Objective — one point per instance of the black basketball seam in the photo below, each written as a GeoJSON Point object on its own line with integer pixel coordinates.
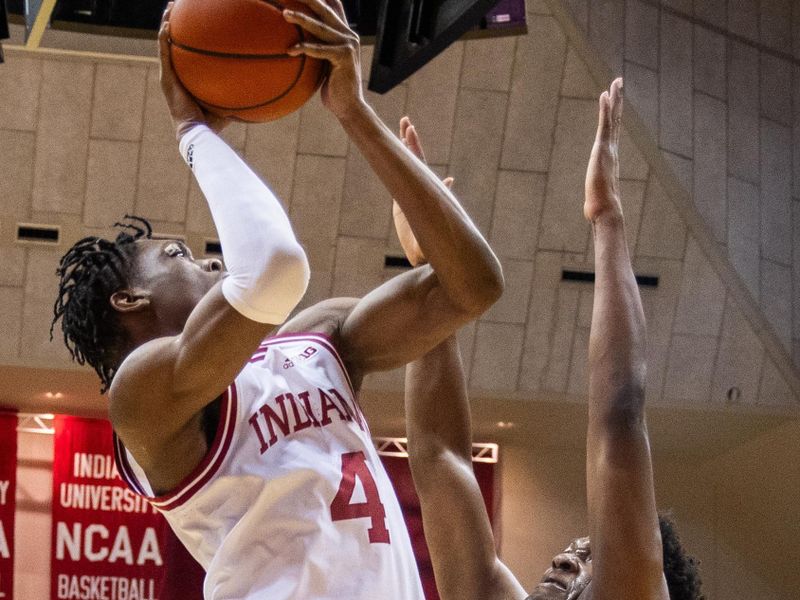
{"type": "Point", "coordinates": [218, 54]}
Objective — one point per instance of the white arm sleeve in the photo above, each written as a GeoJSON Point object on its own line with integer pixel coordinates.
{"type": "Point", "coordinates": [267, 268]}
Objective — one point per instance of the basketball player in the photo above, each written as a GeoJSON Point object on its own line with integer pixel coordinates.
{"type": "Point", "coordinates": [254, 447]}
{"type": "Point", "coordinates": [624, 558]}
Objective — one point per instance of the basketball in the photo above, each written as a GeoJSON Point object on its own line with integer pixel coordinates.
{"type": "Point", "coordinates": [231, 56]}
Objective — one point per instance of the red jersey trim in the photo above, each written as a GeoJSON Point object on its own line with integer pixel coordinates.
{"type": "Point", "coordinates": [201, 474]}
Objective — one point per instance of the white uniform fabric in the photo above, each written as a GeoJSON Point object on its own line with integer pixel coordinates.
{"type": "Point", "coordinates": [281, 507]}
{"type": "Point", "coordinates": [267, 268]}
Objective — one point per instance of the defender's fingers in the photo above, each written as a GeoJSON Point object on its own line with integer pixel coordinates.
{"type": "Point", "coordinates": [331, 53]}
{"type": "Point", "coordinates": [616, 102]}
{"type": "Point", "coordinates": [318, 29]}
{"type": "Point", "coordinates": [603, 118]}
{"type": "Point", "coordinates": [405, 123]}
{"type": "Point", "coordinates": [338, 8]}
{"type": "Point", "coordinates": [326, 14]}
{"type": "Point", "coordinates": [412, 140]}
{"type": "Point", "coordinates": [448, 182]}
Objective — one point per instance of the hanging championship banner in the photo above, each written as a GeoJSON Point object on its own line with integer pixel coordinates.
{"type": "Point", "coordinates": [8, 485]}
{"type": "Point", "coordinates": [107, 542]}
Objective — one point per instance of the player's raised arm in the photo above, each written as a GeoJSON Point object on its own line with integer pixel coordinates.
{"type": "Point", "coordinates": [419, 309]}
{"type": "Point", "coordinates": [185, 361]}
{"type": "Point", "coordinates": [625, 541]}
{"type": "Point", "coordinates": [457, 527]}
{"type": "Point", "coordinates": [439, 430]}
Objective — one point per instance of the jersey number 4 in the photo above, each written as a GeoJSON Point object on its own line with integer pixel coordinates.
{"type": "Point", "coordinates": [354, 464]}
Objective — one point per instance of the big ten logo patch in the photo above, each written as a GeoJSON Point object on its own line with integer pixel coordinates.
{"type": "Point", "coordinates": [304, 355]}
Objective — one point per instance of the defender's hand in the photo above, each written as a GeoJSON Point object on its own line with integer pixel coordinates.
{"type": "Point", "coordinates": [183, 108]}
{"type": "Point", "coordinates": [602, 189]}
{"type": "Point", "coordinates": [414, 254]}
{"type": "Point", "coordinates": [339, 45]}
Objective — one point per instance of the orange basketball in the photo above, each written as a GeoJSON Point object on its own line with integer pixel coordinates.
{"type": "Point", "coordinates": [231, 56]}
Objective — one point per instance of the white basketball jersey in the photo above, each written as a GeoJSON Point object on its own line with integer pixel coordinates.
{"type": "Point", "coordinates": [291, 500]}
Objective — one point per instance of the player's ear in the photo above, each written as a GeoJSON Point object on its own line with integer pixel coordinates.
{"type": "Point", "coordinates": [130, 300]}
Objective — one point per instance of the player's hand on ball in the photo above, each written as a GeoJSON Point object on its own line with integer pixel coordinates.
{"type": "Point", "coordinates": [336, 43]}
{"type": "Point", "coordinates": [414, 254]}
{"type": "Point", "coordinates": [183, 109]}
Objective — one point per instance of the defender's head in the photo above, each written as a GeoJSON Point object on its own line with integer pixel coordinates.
{"type": "Point", "coordinates": [115, 295]}
{"type": "Point", "coordinates": [571, 572]}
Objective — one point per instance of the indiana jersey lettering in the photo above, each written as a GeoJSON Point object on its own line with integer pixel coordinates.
{"type": "Point", "coordinates": [291, 501]}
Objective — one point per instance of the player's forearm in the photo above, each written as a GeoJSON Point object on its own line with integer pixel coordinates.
{"type": "Point", "coordinates": [268, 269]}
{"type": "Point", "coordinates": [466, 267]}
{"type": "Point", "coordinates": [437, 407]}
{"type": "Point", "coordinates": [617, 342]}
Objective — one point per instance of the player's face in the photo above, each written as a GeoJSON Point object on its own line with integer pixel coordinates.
{"type": "Point", "coordinates": [174, 279]}
{"type": "Point", "coordinates": [570, 574]}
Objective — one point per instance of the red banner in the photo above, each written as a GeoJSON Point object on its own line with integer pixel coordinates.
{"type": "Point", "coordinates": [107, 542]}
{"type": "Point", "coordinates": [8, 488]}
{"type": "Point", "coordinates": [400, 473]}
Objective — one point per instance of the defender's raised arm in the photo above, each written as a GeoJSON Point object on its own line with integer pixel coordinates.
{"type": "Point", "coordinates": [625, 540]}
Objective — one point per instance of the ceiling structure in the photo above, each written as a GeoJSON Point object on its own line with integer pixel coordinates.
{"type": "Point", "coordinates": [512, 119]}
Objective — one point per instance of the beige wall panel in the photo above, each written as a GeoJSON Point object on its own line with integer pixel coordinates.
{"type": "Point", "coordinates": [487, 64]}
{"type": "Point", "coordinates": [163, 183]}
{"type": "Point", "coordinates": [689, 368]}
{"type": "Point", "coordinates": [271, 151]}
{"type": "Point", "coordinates": [557, 370]}
{"type": "Point", "coordinates": [776, 299]}
{"type": "Point", "coordinates": [10, 322]}
{"type": "Point", "coordinates": [659, 309]}
{"type": "Point", "coordinates": [497, 351]}
{"type": "Point", "coordinates": [738, 361]}
{"type": "Point", "coordinates": [320, 133]}
{"type": "Point", "coordinates": [563, 226]}
{"type": "Point", "coordinates": [710, 163]}
{"type": "Point", "coordinates": [475, 154]}
{"type": "Point", "coordinates": [517, 210]}
{"type": "Point", "coordinates": [744, 232]}
{"type": "Point", "coordinates": [776, 212]}
{"type": "Point", "coordinates": [533, 101]}
{"type": "Point", "coordinates": [662, 233]}
{"type": "Point", "coordinates": [62, 139]}
{"type": "Point", "coordinates": [17, 163]}
{"type": "Point", "coordinates": [512, 307]}
{"type": "Point", "coordinates": [710, 61]}
{"type": "Point", "coordinates": [118, 106]}
{"type": "Point", "coordinates": [702, 296]}
{"type": "Point", "coordinates": [776, 89]}
{"type": "Point", "coordinates": [744, 105]}
{"type": "Point", "coordinates": [675, 85]}
{"type": "Point", "coordinates": [641, 91]}
{"type": "Point", "coordinates": [110, 182]}
{"type": "Point", "coordinates": [743, 18]}
{"type": "Point", "coordinates": [20, 80]}
{"type": "Point", "coordinates": [641, 28]}
{"type": "Point", "coordinates": [359, 266]}
{"type": "Point", "coordinates": [541, 315]}
{"type": "Point", "coordinates": [607, 31]}
{"type": "Point", "coordinates": [432, 95]}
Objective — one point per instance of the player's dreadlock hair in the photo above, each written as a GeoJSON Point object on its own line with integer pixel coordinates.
{"type": "Point", "coordinates": [680, 569]}
{"type": "Point", "coordinates": [89, 273]}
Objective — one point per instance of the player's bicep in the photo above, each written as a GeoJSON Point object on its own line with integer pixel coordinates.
{"type": "Point", "coordinates": [399, 321]}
